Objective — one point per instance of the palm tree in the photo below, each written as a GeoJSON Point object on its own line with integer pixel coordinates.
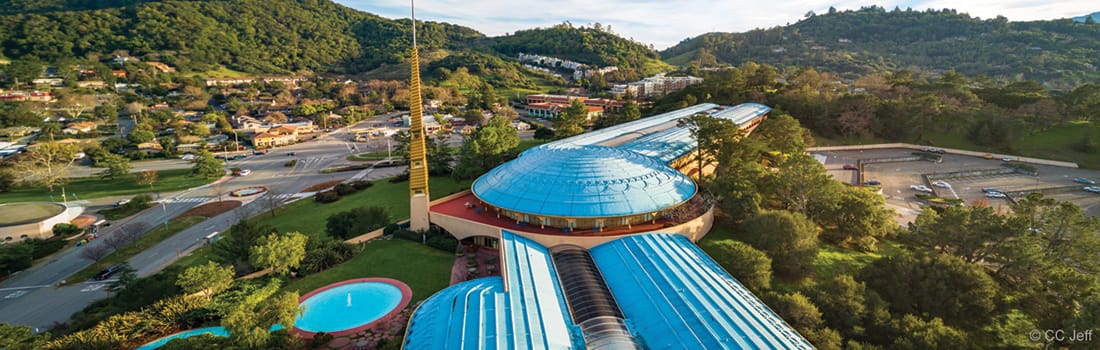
{"type": "Point", "coordinates": [51, 129]}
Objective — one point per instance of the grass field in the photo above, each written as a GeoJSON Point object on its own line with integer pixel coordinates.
{"type": "Point", "coordinates": [309, 217]}
{"type": "Point", "coordinates": [28, 212]}
{"type": "Point", "coordinates": [126, 252]}
{"type": "Point", "coordinates": [527, 144]}
{"type": "Point", "coordinates": [223, 72]}
{"type": "Point", "coordinates": [96, 187]}
{"type": "Point", "coordinates": [426, 270]}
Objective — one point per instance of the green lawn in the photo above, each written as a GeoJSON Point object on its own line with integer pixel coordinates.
{"type": "Point", "coordinates": [426, 270]}
{"type": "Point", "coordinates": [368, 156]}
{"type": "Point", "coordinates": [527, 144]}
{"type": "Point", "coordinates": [309, 217]}
{"type": "Point", "coordinates": [96, 187]}
{"type": "Point", "coordinates": [126, 252]}
{"type": "Point", "coordinates": [123, 211]}
{"type": "Point", "coordinates": [223, 72]}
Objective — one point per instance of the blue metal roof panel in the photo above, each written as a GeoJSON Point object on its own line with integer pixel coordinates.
{"type": "Point", "coordinates": [601, 135]}
{"type": "Point", "coordinates": [673, 143]}
{"type": "Point", "coordinates": [482, 314]}
{"type": "Point", "coordinates": [677, 297]}
{"type": "Point", "coordinates": [584, 181]}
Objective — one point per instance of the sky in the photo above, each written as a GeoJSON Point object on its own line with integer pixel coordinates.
{"type": "Point", "coordinates": [664, 23]}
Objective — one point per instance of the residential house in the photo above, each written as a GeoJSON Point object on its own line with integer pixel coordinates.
{"type": "Point", "coordinates": [228, 81]}
{"type": "Point", "coordinates": [49, 81]}
{"type": "Point", "coordinates": [151, 146]}
{"type": "Point", "coordinates": [279, 136]}
{"type": "Point", "coordinates": [79, 128]}
{"type": "Point", "coordinates": [92, 84]}
{"type": "Point", "coordinates": [163, 68]}
{"type": "Point", "coordinates": [520, 125]}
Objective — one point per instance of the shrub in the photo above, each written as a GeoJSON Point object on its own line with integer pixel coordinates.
{"type": "Point", "coordinates": [344, 189]}
{"type": "Point", "coordinates": [44, 247]}
{"type": "Point", "coordinates": [291, 163]}
{"type": "Point", "coordinates": [326, 196]}
{"type": "Point", "coordinates": [357, 221]}
{"type": "Point", "coordinates": [139, 155]}
{"type": "Point", "coordinates": [400, 178]}
{"type": "Point", "coordinates": [65, 229]}
{"type": "Point", "coordinates": [433, 238]}
{"type": "Point", "coordinates": [328, 254]}
{"type": "Point", "coordinates": [361, 184]}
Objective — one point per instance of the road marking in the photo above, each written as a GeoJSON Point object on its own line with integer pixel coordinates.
{"type": "Point", "coordinates": [15, 294]}
{"type": "Point", "coordinates": [27, 287]}
{"type": "Point", "coordinates": [93, 287]}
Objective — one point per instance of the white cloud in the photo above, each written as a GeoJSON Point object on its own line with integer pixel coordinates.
{"type": "Point", "coordinates": [663, 23]}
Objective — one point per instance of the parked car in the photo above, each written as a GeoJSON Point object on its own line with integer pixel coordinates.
{"type": "Point", "coordinates": [850, 167]}
{"type": "Point", "coordinates": [1082, 180]}
{"type": "Point", "coordinates": [245, 172]}
{"type": "Point", "coordinates": [990, 190]}
{"type": "Point", "coordinates": [921, 188]}
{"type": "Point", "coordinates": [988, 156]}
{"type": "Point", "coordinates": [290, 153]}
{"type": "Point", "coordinates": [107, 272]}
{"type": "Point", "coordinates": [995, 195]}
{"type": "Point", "coordinates": [239, 156]}
{"type": "Point", "coordinates": [122, 202]}
{"type": "Point", "coordinates": [188, 156]}
{"type": "Point", "coordinates": [259, 152]}
{"type": "Point", "coordinates": [219, 156]}
{"type": "Point", "coordinates": [1006, 159]}
{"type": "Point", "coordinates": [872, 182]}
{"type": "Point", "coordinates": [941, 184]}
{"type": "Point", "coordinates": [1093, 189]}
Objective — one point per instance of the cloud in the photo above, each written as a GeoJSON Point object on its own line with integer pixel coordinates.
{"type": "Point", "coordinates": [664, 23]}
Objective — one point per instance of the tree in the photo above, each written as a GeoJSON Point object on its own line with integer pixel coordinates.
{"type": "Point", "coordinates": [355, 222]}
{"type": "Point", "coordinates": [141, 134]}
{"type": "Point", "coordinates": [117, 165]}
{"type": "Point", "coordinates": [107, 113]}
{"type": "Point", "coordinates": [94, 252]}
{"type": "Point", "coordinates": [858, 218]}
{"type": "Point", "coordinates": [207, 166]}
{"type": "Point", "coordinates": [846, 305]}
{"type": "Point", "coordinates": [208, 279]}
{"type": "Point", "coordinates": [710, 133]}
{"type": "Point", "coordinates": [235, 244]}
{"type": "Point", "coordinates": [249, 313]}
{"type": "Point", "coordinates": [486, 148]}
{"type": "Point", "coordinates": [801, 185]}
{"type": "Point", "coordinates": [48, 164]}
{"type": "Point", "coordinates": [148, 177]}
{"type": "Point", "coordinates": [279, 252]}
{"type": "Point", "coordinates": [51, 129]}
{"type": "Point", "coordinates": [783, 133]}
{"type": "Point", "coordinates": [629, 112]}
{"type": "Point", "coordinates": [571, 120]}
{"type": "Point", "coordinates": [941, 286]}
{"type": "Point", "coordinates": [74, 105]}
{"type": "Point", "coordinates": [915, 333]}
{"type": "Point", "coordinates": [7, 181]}
{"type": "Point", "coordinates": [789, 238]}
{"type": "Point", "coordinates": [751, 267]}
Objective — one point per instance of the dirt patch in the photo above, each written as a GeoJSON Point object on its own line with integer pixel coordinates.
{"type": "Point", "coordinates": [83, 221]}
{"type": "Point", "coordinates": [210, 210]}
{"type": "Point", "coordinates": [322, 186]}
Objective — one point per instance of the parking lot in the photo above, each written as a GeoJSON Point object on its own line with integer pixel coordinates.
{"type": "Point", "coordinates": [897, 177]}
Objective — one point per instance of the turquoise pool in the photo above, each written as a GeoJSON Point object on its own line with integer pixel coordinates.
{"type": "Point", "coordinates": [217, 331]}
{"type": "Point", "coordinates": [348, 306]}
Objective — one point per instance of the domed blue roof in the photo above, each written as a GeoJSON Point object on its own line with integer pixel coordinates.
{"type": "Point", "coordinates": [584, 181]}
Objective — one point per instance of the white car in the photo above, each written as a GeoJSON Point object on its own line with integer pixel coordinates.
{"type": "Point", "coordinates": [1093, 189]}
{"type": "Point", "coordinates": [245, 172]}
{"type": "Point", "coordinates": [995, 195]}
{"type": "Point", "coordinates": [188, 157]}
{"type": "Point", "coordinates": [921, 188]}
{"type": "Point", "coordinates": [941, 184]}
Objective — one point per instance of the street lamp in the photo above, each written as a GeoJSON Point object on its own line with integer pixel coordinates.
{"type": "Point", "coordinates": [164, 209]}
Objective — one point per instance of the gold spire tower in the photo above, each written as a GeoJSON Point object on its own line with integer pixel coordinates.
{"type": "Point", "coordinates": [418, 162]}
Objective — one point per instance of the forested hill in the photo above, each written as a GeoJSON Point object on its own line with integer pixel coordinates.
{"type": "Point", "coordinates": [1058, 52]}
{"type": "Point", "coordinates": [257, 36]}
{"type": "Point", "coordinates": [595, 45]}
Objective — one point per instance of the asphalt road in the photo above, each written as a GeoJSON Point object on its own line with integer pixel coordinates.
{"type": "Point", "coordinates": [31, 297]}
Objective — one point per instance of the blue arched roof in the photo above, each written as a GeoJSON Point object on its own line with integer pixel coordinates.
{"type": "Point", "coordinates": [524, 309]}
{"type": "Point", "coordinates": [584, 181]}
{"type": "Point", "coordinates": [677, 297]}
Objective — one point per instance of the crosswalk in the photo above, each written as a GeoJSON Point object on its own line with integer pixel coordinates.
{"type": "Point", "coordinates": [313, 162]}
{"type": "Point", "coordinates": [190, 200]}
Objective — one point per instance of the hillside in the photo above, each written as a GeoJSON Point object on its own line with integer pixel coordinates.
{"type": "Point", "coordinates": [1095, 17]}
{"type": "Point", "coordinates": [255, 36]}
{"type": "Point", "coordinates": [589, 45]}
{"type": "Point", "coordinates": [1060, 52]}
